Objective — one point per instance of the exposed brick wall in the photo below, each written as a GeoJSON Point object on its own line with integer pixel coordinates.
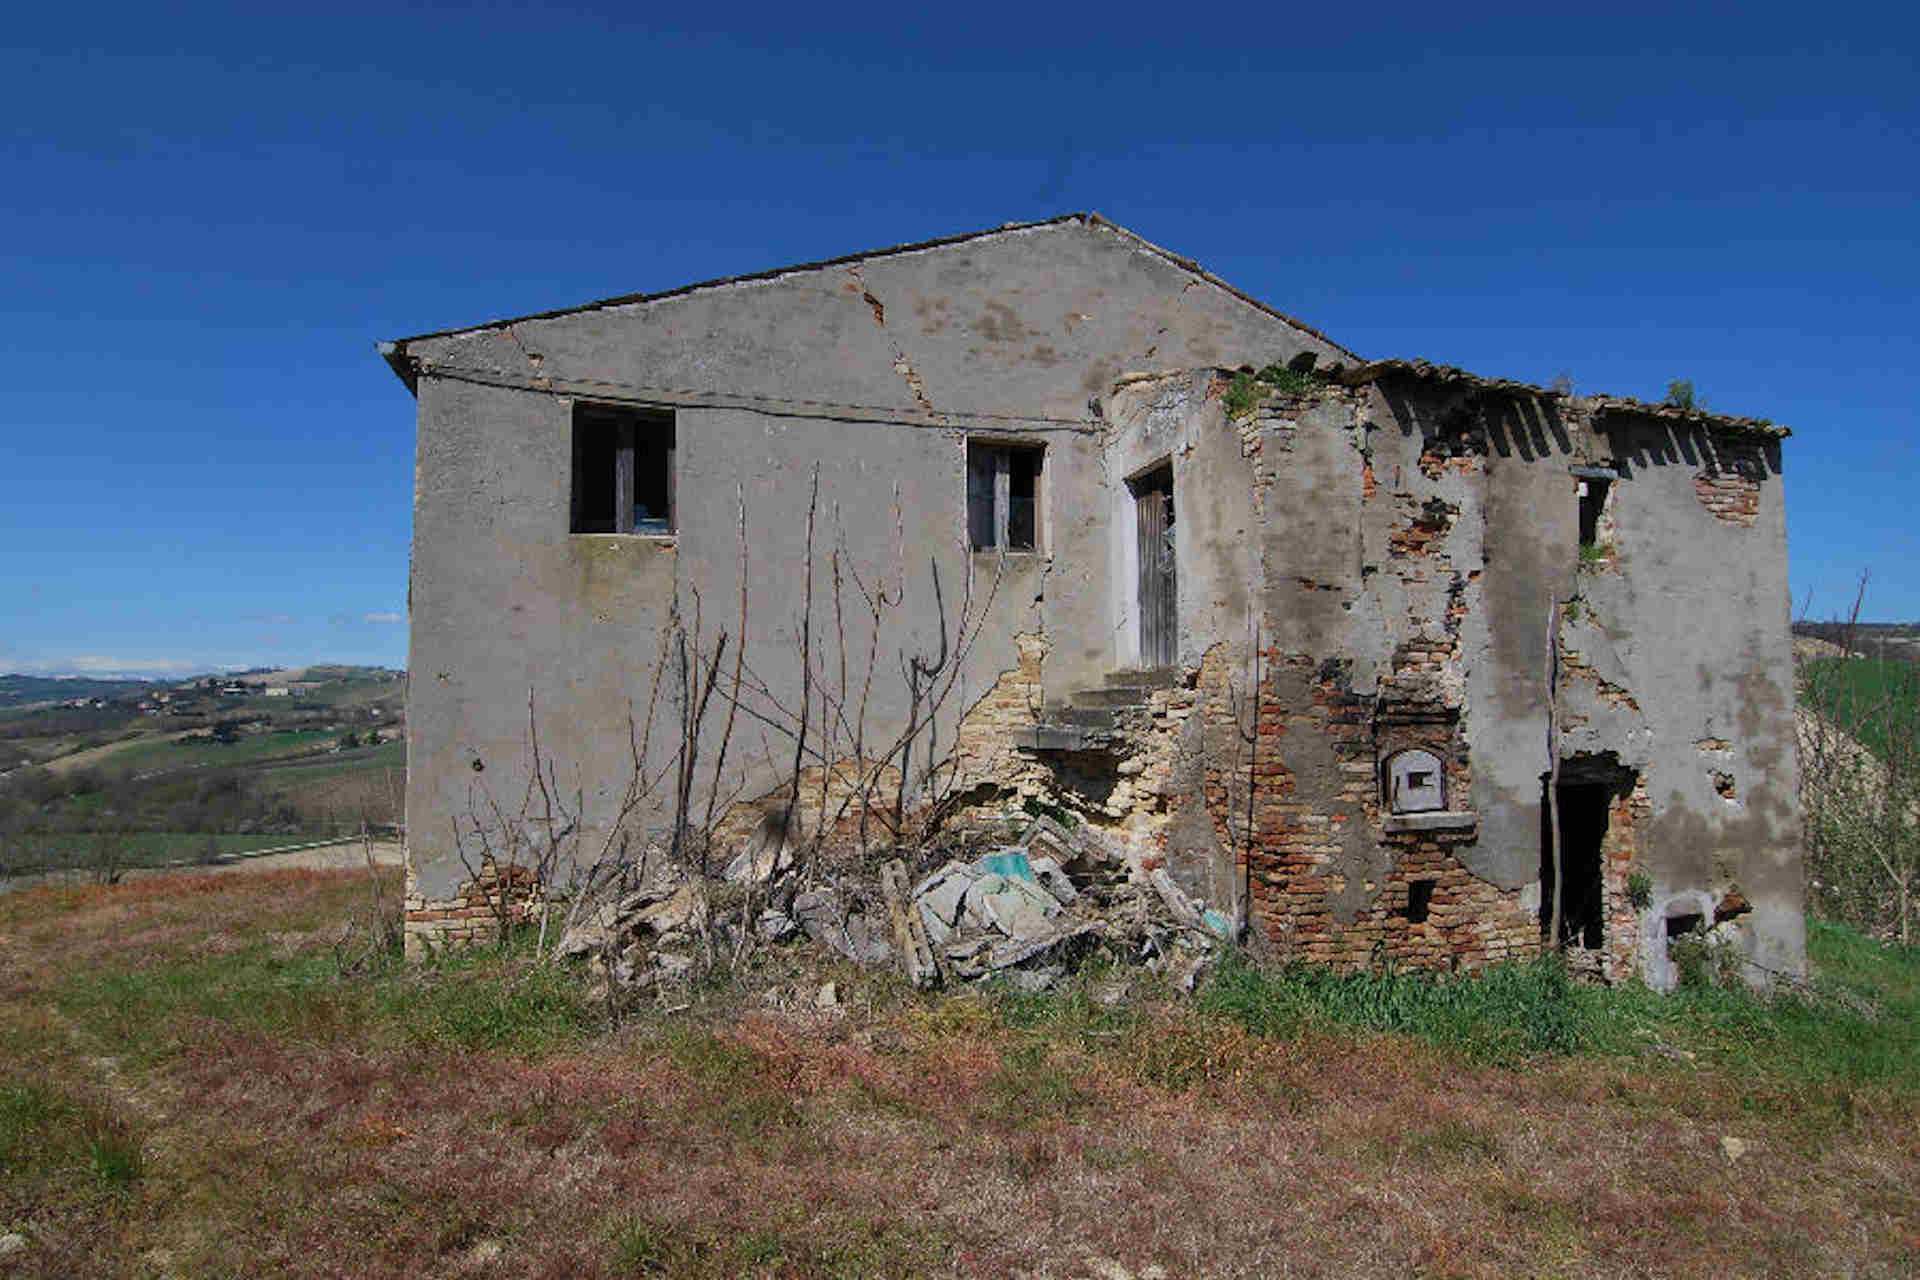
{"type": "Point", "coordinates": [1470, 924]}
{"type": "Point", "coordinates": [472, 914]}
{"type": "Point", "coordinates": [1619, 854]}
{"type": "Point", "coordinates": [1577, 668]}
{"type": "Point", "coordinates": [1731, 497]}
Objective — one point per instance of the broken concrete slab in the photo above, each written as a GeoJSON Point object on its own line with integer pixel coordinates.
{"type": "Point", "coordinates": [774, 926]}
{"type": "Point", "coordinates": [1018, 908]}
{"type": "Point", "coordinates": [1175, 899]}
{"type": "Point", "coordinates": [818, 911]}
{"type": "Point", "coordinates": [664, 913]}
{"type": "Point", "coordinates": [1053, 878]}
{"type": "Point", "coordinates": [1008, 953]}
{"type": "Point", "coordinates": [940, 899]}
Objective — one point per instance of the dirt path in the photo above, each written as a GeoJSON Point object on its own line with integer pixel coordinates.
{"type": "Point", "coordinates": [94, 755]}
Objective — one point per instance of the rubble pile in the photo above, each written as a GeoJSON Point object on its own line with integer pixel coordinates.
{"type": "Point", "coordinates": [1028, 912]}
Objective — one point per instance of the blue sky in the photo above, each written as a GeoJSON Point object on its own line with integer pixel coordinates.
{"type": "Point", "coordinates": [213, 214]}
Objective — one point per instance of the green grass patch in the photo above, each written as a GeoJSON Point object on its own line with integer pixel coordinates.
{"type": "Point", "coordinates": [470, 1000]}
{"type": "Point", "coordinates": [1504, 1014]}
{"type": "Point", "coordinates": [1857, 1025]}
{"type": "Point", "coordinates": [150, 757]}
{"type": "Point", "coordinates": [1032, 1089]}
{"type": "Point", "coordinates": [388, 755]}
{"type": "Point", "coordinates": [55, 1144]}
{"type": "Point", "coordinates": [1876, 700]}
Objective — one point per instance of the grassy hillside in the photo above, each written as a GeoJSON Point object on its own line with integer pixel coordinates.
{"type": "Point", "coordinates": [1876, 701]}
{"type": "Point", "coordinates": [198, 1076]}
{"type": "Point", "coordinates": [244, 767]}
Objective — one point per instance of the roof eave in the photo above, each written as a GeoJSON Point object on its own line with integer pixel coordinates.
{"type": "Point", "coordinates": [1448, 375]}
{"type": "Point", "coordinates": [402, 364]}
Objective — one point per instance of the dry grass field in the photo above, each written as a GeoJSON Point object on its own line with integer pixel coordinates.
{"type": "Point", "coordinates": [215, 1076]}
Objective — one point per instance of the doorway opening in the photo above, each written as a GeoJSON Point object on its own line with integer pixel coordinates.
{"type": "Point", "coordinates": [1159, 595]}
{"type": "Point", "coordinates": [1583, 834]}
{"type": "Point", "coordinates": [1589, 787]}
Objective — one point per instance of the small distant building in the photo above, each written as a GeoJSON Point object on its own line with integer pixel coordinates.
{"type": "Point", "coordinates": [275, 691]}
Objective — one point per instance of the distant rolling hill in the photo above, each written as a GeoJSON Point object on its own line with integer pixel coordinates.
{"type": "Point", "coordinates": [20, 691]}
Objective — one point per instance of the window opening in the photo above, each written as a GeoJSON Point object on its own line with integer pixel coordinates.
{"type": "Point", "coordinates": [1003, 496]}
{"type": "Point", "coordinates": [1583, 831]}
{"type": "Point", "coordinates": [1592, 485]}
{"type": "Point", "coordinates": [1419, 901]}
{"type": "Point", "coordinates": [623, 470]}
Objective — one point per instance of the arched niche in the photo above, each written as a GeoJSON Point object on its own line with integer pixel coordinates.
{"type": "Point", "coordinates": [1415, 781]}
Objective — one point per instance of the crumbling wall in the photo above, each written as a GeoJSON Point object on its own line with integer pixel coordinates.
{"type": "Point", "coordinates": [1417, 548]}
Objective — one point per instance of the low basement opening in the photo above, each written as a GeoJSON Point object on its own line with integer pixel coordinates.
{"type": "Point", "coordinates": [1419, 901]}
{"type": "Point", "coordinates": [1681, 926]}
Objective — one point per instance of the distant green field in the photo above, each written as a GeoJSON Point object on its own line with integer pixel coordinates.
{"type": "Point", "coordinates": [388, 755]}
{"type": "Point", "coordinates": [1869, 697]}
{"type": "Point", "coordinates": [150, 757]}
{"type": "Point", "coordinates": [135, 849]}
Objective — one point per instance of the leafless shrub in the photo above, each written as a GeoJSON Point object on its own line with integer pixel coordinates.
{"type": "Point", "coordinates": [1860, 785]}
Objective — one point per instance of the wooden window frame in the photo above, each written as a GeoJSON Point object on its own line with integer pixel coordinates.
{"type": "Point", "coordinates": [616, 438]}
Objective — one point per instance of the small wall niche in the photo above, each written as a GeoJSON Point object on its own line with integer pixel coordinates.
{"type": "Point", "coordinates": [1415, 781]}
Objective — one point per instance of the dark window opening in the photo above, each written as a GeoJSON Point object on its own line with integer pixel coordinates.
{"type": "Point", "coordinates": [1003, 496]}
{"type": "Point", "coordinates": [1419, 901]}
{"type": "Point", "coordinates": [1583, 832]}
{"type": "Point", "coordinates": [1593, 501]}
{"type": "Point", "coordinates": [1681, 926]}
{"type": "Point", "coordinates": [623, 470]}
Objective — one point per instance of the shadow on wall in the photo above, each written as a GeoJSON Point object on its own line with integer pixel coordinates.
{"type": "Point", "coordinates": [1485, 421]}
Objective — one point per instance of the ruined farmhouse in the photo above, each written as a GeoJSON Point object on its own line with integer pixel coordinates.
{"type": "Point", "coordinates": [1348, 647]}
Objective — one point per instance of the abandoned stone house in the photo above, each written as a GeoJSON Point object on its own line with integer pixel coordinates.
{"type": "Point", "coordinates": [1325, 645]}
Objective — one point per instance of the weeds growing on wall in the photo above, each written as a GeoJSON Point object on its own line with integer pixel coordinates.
{"type": "Point", "coordinates": [1247, 390]}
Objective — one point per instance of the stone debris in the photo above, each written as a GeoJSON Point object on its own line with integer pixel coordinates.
{"type": "Point", "coordinates": [1027, 912]}
{"type": "Point", "coordinates": [767, 855]}
{"type": "Point", "coordinates": [646, 938]}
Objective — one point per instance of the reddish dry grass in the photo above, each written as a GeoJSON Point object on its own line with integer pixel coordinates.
{"type": "Point", "coordinates": [920, 1141]}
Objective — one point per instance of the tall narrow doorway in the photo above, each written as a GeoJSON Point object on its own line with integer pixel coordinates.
{"type": "Point", "coordinates": [1159, 610]}
{"type": "Point", "coordinates": [1583, 834]}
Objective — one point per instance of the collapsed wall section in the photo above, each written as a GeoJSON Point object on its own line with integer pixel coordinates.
{"type": "Point", "coordinates": [1454, 573]}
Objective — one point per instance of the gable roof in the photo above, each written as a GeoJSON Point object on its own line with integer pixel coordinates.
{"type": "Point", "coordinates": [396, 354]}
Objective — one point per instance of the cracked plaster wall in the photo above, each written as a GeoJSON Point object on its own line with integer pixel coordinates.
{"type": "Point", "coordinates": [878, 371]}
